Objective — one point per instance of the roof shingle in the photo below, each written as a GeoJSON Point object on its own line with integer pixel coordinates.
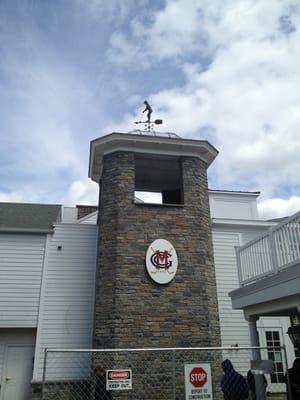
{"type": "Point", "coordinates": [25, 216]}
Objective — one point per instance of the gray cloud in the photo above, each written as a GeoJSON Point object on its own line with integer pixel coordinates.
{"type": "Point", "coordinates": [237, 74]}
{"type": "Point", "coordinates": [248, 95]}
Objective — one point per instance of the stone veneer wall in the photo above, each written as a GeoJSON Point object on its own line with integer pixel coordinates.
{"type": "Point", "coordinates": [131, 310]}
{"type": "Point", "coordinates": [83, 210]}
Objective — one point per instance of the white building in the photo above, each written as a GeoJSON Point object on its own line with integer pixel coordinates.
{"type": "Point", "coordinates": [235, 223]}
{"type": "Point", "coordinates": [47, 269]}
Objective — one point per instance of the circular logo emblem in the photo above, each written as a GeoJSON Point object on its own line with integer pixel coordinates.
{"type": "Point", "coordinates": [161, 261]}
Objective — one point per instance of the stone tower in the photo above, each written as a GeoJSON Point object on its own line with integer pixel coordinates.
{"type": "Point", "coordinates": [131, 308]}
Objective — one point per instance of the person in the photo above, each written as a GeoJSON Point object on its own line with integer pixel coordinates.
{"type": "Point", "coordinates": [294, 376]}
{"type": "Point", "coordinates": [100, 385]}
{"type": "Point", "coordinates": [233, 384]}
{"type": "Point", "coordinates": [251, 384]}
{"type": "Point", "coordinates": [148, 109]}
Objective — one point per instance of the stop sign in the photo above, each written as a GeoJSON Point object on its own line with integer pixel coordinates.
{"type": "Point", "coordinates": [198, 377]}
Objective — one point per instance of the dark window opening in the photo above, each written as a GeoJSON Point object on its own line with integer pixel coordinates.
{"type": "Point", "coordinates": [158, 180]}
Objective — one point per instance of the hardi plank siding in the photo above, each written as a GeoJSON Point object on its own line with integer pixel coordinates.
{"type": "Point", "coordinates": [21, 264]}
{"type": "Point", "coordinates": [248, 236]}
{"type": "Point", "coordinates": [234, 328]}
{"type": "Point", "coordinates": [67, 299]}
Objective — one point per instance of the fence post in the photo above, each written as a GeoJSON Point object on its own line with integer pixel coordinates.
{"type": "Point", "coordinates": [174, 383]}
{"type": "Point", "coordinates": [44, 372]}
{"type": "Point", "coordinates": [288, 383]}
{"type": "Point", "coordinates": [273, 253]}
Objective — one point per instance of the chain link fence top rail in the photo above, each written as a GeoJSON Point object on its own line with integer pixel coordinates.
{"type": "Point", "coordinates": [156, 374]}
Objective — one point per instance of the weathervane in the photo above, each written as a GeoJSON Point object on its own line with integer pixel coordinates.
{"type": "Point", "coordinates": [149, 124]}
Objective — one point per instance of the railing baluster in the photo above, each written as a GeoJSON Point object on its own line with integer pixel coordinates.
{"type": "Point", "coordinates": [267, 254]}
{"type": "Point", "coordinates": [290, 242]}
{"type": "Point", "coordinates": [246, 270]}
{"type": "Point", "coordinates": [261, 255]}
{"type": "Point", "coordinates": [238, 260]}
{"type": "Point", "coordinates": [283, 249]}
{"type": "Point", "coordinates": [251, 251]}
{"type": "Point", "coordinates": [285, 246]}
{"type": "Point", "coordinates": [297, 236]}
{"type": "Point", "coordinates": [274, 250]}
{"type": "Point", "coordinates": [256, 258]}
{"type": "Point", "coordinates": [294, 239]}
{"type": "Point", "coordinates": [286, 243]}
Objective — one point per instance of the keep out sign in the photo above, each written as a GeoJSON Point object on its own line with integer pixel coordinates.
{"type": "Point", "coordinates": [118, 379]}
{"type": "Point", "coordinates": [198, 382]}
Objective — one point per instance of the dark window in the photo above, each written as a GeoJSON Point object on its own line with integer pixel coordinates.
{"type": "Point", "coordinates": [158, 179]}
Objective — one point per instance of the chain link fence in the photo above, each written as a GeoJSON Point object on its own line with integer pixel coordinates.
{"type": "Point", "coordinates": [162, 374]}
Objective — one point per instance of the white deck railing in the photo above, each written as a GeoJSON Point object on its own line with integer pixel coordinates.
{"type": "Point", "coordinates": [277, 249]}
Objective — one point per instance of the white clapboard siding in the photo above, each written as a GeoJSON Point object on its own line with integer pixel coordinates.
{"type": "Point", "coordinates": [67, 301]}
{"type": "Point", "coordinates": [247, 236]}
{"type": "Point", "coordinates": [234, 328]}
{"type": "Point", "coordinates": [21, 264]}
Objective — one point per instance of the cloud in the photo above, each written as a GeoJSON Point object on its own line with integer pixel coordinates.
{"type": "Point", "coordinates": [82, 191]}
{"type": "Point", "coordinates": [149, 197]}
{"type": "Point", "coordinates": [223, 71]}
{"type": "Point", "coordinates": [242, 95]}
{"type": "Point", "coordinates": [276, 207]}
{"type": "Point", "coordinates": [45, 104]}
{"type": "Point", "coordinates": [182, 28]}
{"type": "Point", "coordinates": [41, 97]}
{"type": "Point", "coordinates": [99, 10]}
{"type": "Point", "coordinates": [14, 197]}
{"type": "Point", "coordinates": [160, 34]}
{"type": "Point", "coordinates": [121, 50]}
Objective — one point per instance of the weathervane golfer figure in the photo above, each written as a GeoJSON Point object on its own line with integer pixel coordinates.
{"type": "Point", "coordinates": [148, 109]}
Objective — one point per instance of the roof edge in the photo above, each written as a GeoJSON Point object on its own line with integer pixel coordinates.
{"type": "Point", "coordinates": [25, 230]}
{"type": "Point", "coordinates": [242, 222]}
{"type": "Point", "coordinates": [117, 141]}
{"type": "Point", "coordinates": [240, 192]}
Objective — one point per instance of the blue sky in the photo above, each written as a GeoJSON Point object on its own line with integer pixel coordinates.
{"type": "Point", "coordinates": [226, 71]}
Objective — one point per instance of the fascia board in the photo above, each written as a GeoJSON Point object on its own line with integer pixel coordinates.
{"type": "Point", "coordinates": [234, 193]}
{"type": "Point", "coordinates": [242, 222]}
{"type": "Point", "coordinates": [74, 225]}
{"type": "Point", "coordinates": [280, 285]}
{"type": "Point", "coordinates": [25, 230]}
{"type": "Point", "coordinates": [149, 145]}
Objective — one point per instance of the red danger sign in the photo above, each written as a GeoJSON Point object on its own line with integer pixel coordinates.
{"type": "Point", "coordinates": [119, 375]}
{"type": "Point", "coordinates": [198, 377]}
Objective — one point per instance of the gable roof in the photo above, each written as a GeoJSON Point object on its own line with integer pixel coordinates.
{"type": "Point", "coordinates": [39, 218]}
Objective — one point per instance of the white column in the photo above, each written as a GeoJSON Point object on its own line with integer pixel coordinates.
{"type": "Point", "coordinates": [254, 340]}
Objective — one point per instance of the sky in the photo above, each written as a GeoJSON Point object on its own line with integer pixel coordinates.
{"type": "Point", "coordinates": [226, 71]}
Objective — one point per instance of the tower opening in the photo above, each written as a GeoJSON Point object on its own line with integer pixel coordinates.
{"type": "Point", "coordinates": [158, 179]}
